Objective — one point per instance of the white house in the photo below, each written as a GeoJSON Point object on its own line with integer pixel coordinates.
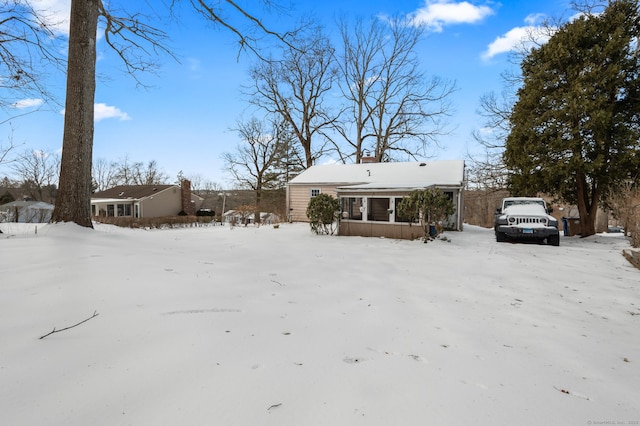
{"type": "Point", "coordinates": [369, 192]}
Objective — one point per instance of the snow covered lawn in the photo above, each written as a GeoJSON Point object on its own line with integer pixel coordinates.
{"type": "Point", "coordinates": [264, 326]}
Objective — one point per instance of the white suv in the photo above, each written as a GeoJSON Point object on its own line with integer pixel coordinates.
{"type": "Point", "coordinates": [526, 218]}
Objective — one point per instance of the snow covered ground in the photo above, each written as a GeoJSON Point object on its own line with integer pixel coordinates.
{"type": "Point", "coordinates": [264, 326]}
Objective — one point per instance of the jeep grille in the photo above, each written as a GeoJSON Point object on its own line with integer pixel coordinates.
{"type": "Point", "coordinates": [516, 220]}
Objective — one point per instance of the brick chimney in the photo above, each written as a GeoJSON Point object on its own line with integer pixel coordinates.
{"type": "Point", "coordinates": [187, 206]}
{"type": "Point", "coordinates": [367, 159]}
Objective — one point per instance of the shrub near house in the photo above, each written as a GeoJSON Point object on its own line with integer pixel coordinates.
{"type": "Point", "coordinates": [323, 213]}
{"type": "Point", "coordinates": [428, 206]}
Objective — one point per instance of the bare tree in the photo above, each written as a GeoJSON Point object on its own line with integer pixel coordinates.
{"type": "Point", "coordinates": [486, 170]}
{"type": "Point", "coordinates": [127, 172]}
{"type": "Point", "coordinates": [254, 163]}
{"type": "Point", "coordinates": [134, 41]}
{"type": "Point", "coordinates": [395, 110]}
{"type": "Point", "coordinates": [4, 152]}
{"type": "Point", "coordinates": [205, 188]}
{"type": "Point", "coordinates": [624, 202]}
{"type": "Point", "coordinates": [150, 174]}
{"type": "Point", "coordinates": [6, 149]}
{"type": "Point", "coordinates": [104, 174]}
{"type": "Point", "coordinates": [294, 86]}
{"type": "Point", "coordinates": [38, 171]}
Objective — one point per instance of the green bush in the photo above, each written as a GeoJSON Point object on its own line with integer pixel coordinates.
{"type": "Point", "coordinates": [323, 212]}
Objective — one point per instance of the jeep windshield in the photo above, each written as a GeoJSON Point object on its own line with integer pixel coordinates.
{"type": "Point", "coordinates": [509, 203]}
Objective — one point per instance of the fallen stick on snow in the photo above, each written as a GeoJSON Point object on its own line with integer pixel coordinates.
{"type": "Point", "coordinates": [95, 314]}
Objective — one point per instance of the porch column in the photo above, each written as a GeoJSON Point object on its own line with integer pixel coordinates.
{"type": "Point", "coordinates": [364, 209]}
{"type": "Point", "coordinates": [392, 209]}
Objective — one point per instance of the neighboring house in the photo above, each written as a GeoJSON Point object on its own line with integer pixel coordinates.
{"type": "Point", "coordinates": [369, 193]}
{"type": "Point", "coordinates": [139, 201]}
{"type": "Point", "coordinates": [26, 212]}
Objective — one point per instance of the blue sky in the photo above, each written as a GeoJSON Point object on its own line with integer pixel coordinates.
{"type": "Point", "coordinates": [183, 119]}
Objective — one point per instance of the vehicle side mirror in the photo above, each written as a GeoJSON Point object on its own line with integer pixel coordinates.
{"type": "Point", "coordinates": [498, 210]}
{"type": "Point", "coordinates": [550, 210]}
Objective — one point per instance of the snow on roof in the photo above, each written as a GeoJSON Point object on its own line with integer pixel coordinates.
{"type": "Point", "coordinates": [128, 192]}
{"type": "Point", "coordinates": [385, 175]}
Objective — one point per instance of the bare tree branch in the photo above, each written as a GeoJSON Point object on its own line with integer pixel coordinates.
{"type": "Point", "coordinates": [95, 314]}
{"type": "Point", "coordinates": [246, 35]}
{"type": "Point", "coordinates": [29, 50]}
{"type": "Point", "coordinates": [134, 41]}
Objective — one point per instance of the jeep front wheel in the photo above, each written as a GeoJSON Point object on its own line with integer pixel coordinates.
{"type": "Point", "coordinates": [554, 240]}
{"type": "Point", "coordinates": [501, 237]}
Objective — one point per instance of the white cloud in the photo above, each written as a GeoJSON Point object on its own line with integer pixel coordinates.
{"type": "Point", "coordinates": [437, 13]}
{"type": "Point", "coordinates": [27, 103]}
{"type": "Point", "coordinates": [507, 42]}
{"type": "Point", "coordinates": [534, 18]}
{"type": "Point", "coordinates": [103, 111]}
{"type": "Point", "coordinates": [55, 13]}
{"type": "Point", "coordinates": [520, 37]}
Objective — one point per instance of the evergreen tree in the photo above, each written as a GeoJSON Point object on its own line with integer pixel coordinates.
{"type": "Point", "coordinates": [575, 126]}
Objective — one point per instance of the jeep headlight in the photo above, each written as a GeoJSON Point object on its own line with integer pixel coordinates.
{"type": "Point", "coordinates": [511, 219]}
{"type": "Point", "coordinates": [543, 220]}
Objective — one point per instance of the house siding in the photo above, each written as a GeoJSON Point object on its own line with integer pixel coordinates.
{"type": "Point", "coordinates": [165, 203]}
{"type": "Point", "coordinates": [298, 197]}
{"type": "Point", "coordinates": [402, 231]}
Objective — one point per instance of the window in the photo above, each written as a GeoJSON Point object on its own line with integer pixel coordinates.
{"type": "Point", "coordinates": [110, 210]}
{"type": "Point", "coordinates": [124, 209]}
{"type": "Point", "coordinates": [351, 208]}
{"type": "Point", "coordinates": [315, 192]}
{"type": "Point", "coordinates": [398, 216]}
{"type": "Point", "coordinates": [378, 209]}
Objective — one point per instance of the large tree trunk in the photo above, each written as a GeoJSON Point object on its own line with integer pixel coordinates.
{"type": "Point", "coordinates": [587, 206]}
{"type": "Point", "coordinates": [73, 203]}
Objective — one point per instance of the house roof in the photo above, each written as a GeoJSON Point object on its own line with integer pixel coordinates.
{"type": "Point", "coordinates": [126, 192]}
{"type": "Point", "coordinates": [385, 175]}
